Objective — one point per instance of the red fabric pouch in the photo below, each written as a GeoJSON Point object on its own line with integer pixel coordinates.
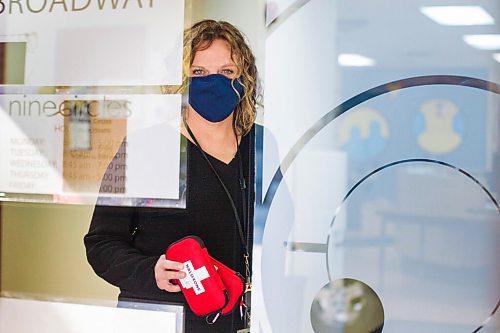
{"type": "Point", "coordinates": [234, 283]}
{"type": "Point", "coordinates": [202, 286]}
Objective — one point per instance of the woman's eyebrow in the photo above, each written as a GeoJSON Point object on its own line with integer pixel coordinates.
{"type": "Point", "coordinates": [231, 64]}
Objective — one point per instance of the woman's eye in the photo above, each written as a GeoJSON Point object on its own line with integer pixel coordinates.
{"type": "Point", "coordinates": [227, 72]}
{"type": "Point", "coordinates": [198, 72]}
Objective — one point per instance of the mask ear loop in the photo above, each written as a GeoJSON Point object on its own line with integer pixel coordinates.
{"type": "Point", "coordinates": [240, 98]}
{"type": "Point", "coordinates": [238, 79]}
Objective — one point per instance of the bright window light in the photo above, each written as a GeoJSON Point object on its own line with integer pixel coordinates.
{"type": "Point", "coordinates": [356, 60]}
{"type": "Point", "coordinates": [458, 15]}
{"type": "Point", "coordinates": [483, 42]}
{"type": "Point", "coordinates": [496, 56]}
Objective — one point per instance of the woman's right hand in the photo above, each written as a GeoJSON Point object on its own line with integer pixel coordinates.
{"type": "Point", "coordinates": [166, 270]}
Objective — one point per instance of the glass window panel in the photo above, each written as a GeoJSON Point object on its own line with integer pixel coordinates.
{"type": "Point", "coordinates": [390, 116]}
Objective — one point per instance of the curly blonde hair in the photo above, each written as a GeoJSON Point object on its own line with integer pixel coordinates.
{"type": "Point", "coordinates": [199, 37]}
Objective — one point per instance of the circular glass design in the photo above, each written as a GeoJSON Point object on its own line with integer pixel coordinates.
{"type": "Point", "coordinates": [424, 250]}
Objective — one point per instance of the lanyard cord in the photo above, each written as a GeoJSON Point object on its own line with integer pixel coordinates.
{"type": "Point", "coordinates": [233, 205]}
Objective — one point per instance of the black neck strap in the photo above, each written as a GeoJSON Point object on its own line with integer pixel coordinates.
{"type": "Point", "coordinates": [243, 187]}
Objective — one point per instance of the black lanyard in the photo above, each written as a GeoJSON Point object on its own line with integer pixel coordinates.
{"type": "Point", "coordinates": [243, 187]}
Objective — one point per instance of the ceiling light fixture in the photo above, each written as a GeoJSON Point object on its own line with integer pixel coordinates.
{"type": "Point", "coordinates": [458, 15]}
{"type": "Point", "coordinates": [355, 60]}
{"type": "Point", "coordinates": [483, 42]}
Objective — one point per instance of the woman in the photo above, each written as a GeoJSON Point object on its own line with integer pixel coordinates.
{"type": "Point", "coordinates": [125, 245]}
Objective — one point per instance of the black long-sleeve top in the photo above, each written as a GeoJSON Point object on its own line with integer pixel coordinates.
{"type": "Point", "coordinates": [127, 261]}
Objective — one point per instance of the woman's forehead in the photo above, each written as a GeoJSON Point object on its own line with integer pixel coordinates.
{"type": "Point", "coordinates": [219, 52]}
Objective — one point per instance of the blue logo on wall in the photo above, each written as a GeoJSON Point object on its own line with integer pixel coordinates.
{"type": "Point", "coordinates": [364, 133]}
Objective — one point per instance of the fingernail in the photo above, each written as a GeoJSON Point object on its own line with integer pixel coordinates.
{"type": "Point", "coordinates": [180, 266]}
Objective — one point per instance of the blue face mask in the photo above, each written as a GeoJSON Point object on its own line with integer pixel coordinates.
{"type": "Point", "coordinates": [213, 96]}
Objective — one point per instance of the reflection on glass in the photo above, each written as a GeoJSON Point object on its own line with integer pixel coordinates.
{"type": "Point", "coordinates": [347, 306]}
